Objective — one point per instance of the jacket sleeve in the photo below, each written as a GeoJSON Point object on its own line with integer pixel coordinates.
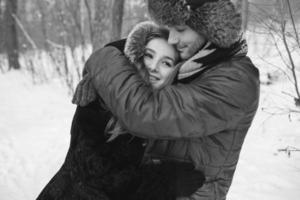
{"type": "Point", "coordinates": [203, 107]}
{"type": "Point", "coordinates": [212, 191]}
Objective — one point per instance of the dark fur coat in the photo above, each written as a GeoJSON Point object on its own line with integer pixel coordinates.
{"type": "Point", "coordinates": [93, 168]}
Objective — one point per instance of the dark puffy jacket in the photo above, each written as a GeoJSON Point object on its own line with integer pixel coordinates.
{"type": "Point", "coordinates": [203, 120]}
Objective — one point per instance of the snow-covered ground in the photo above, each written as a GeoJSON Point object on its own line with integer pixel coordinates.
{"type": "Point", "coordinates": [265, 172]}
{"type": "Point", "coordinates": [34, 136]}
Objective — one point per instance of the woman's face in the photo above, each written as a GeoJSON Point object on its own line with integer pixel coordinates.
{"type": "Point", "coordinates": [160, 61]}
{"type": "Point", "coordinates": [186, 40]}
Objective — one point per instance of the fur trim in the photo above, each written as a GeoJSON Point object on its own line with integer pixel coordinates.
{"type": "Point", "coordinates": [137, 40]}
{"type": "Point", "coordinates": [217, 20]}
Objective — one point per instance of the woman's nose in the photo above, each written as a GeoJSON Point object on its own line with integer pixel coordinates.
{"type": "Point", "coordinates": [152, 66]}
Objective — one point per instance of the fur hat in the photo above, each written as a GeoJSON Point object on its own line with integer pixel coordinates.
{"type": "Point", "coordinates": [139, 37]}
{"type": "Point", "coordinates": [216, 20]}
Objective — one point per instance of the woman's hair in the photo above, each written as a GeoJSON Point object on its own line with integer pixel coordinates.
{"type": "Point", "coordinates": [139, 37]}
{"type": "Point", "coordinates": [157, 33]}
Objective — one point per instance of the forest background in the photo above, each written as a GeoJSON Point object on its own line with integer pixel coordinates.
{"type": "Point", "coordinates": [65, 32]}
{"type": "Point", "coordinates": [45, 43]}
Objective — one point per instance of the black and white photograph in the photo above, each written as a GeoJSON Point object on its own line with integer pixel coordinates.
{"type": "Point", "coordinates": [149, 99]}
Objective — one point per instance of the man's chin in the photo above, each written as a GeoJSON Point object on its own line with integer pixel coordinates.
{"type": "Point", "coordinates": [185, 55]}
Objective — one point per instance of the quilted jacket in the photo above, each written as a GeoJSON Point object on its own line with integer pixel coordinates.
{"type": "Point", "coordinates": [203, 119]}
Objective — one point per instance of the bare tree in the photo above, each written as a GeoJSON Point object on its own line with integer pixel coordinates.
{"type": "Point", "coordinates": [288, 47]}
{"type": "Point", "coordinates": [11, 36]}
{"type": "Point", "coordinates": [243, 7]}
{"type": "Point", "coordinates": [2, 4]}
{"type": "Point", "coordinates": [117, 19]}
{"type": "Point", "coordinates": [2, 33]}
{"type": "Point", "coordinates": [98, 14]}
{"type": "Point", "coordinates": [278, 22]}
{"type": "Point", "coordinates": [245, 14]}
{"type": "Point", "coordinates": [42, 6]}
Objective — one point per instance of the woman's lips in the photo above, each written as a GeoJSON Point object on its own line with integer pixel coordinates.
{"type": "Point", "coordinates": [153, 78]}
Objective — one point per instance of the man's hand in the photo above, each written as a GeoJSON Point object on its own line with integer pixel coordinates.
{"type": "Point", "coordinates": [85, 92]}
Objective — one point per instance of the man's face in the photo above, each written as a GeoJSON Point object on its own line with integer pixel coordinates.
{"type": "Point", "coordinates": [186, 40]}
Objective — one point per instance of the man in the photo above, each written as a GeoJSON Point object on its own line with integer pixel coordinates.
{"type": "Point", "coordinates": [205, 116]}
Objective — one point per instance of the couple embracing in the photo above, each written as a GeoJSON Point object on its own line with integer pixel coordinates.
{"type": "Point", "coordinates": [164, 113]}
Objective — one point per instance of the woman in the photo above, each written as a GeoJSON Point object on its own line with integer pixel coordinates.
{"type": "Point", "coordinates": [103, 162]}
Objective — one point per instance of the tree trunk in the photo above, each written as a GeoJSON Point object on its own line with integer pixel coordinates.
{"type": "Point", "coordinates": [11, 36]}
{"type": "Point", "coordinates": [243, 8]}
{"type": "Point", "coordinates": [245, 14]}
{"type": "Point", "coordinates": [43, 11]}
{"type": "Point", "coordinates": [117, 19]}
{"type": "Point", "coordinates": [1, 26]}
{"type": "Point", "coordinates": [98, 14]}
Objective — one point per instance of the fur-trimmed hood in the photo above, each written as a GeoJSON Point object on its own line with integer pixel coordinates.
{"type": "Point", "coordinates": [217, 20]}
{"type": "Point", "coordinates": [138, 38]}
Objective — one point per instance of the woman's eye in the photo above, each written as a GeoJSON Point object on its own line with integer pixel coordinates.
{"type": "Point", "coordinates": [180, 29]}
{"type": "Point", "coordinates": [167, 64]}
{"type": "Point", "coordinates": [148, 55]}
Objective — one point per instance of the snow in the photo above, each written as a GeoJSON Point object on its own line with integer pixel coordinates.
{"type": "Point", "coordinates": [263, 171]}
{"type": "Point", "coordinates": [35, 122]}
{"type": "Point", "coordinates": [34, 126]}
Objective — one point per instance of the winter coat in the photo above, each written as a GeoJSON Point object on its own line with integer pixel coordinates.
{"type": "Point", "coordinates": [202, 119]}
{"type": "Point", "coordinates": [93, 168]}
